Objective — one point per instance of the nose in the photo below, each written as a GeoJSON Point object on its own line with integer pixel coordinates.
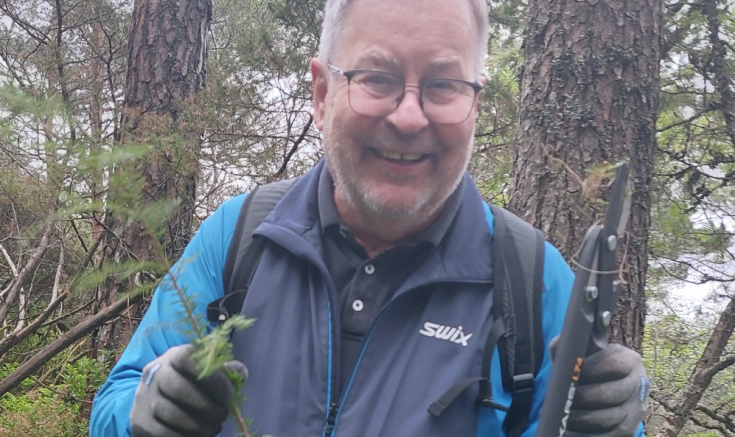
{"type": "Point", "coordinates": [408, 117]}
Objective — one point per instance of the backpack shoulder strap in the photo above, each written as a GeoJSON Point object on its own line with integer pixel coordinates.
{"type": "Point", "coordinates": [244, 253]}
{"type": "Point", "coordinates": [517, 288]}
{"type": "Point", "coordinates": [518, 267]}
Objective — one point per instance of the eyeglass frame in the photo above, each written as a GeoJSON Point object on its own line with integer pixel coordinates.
{"type": "Point", "coordinates": [349, 74]}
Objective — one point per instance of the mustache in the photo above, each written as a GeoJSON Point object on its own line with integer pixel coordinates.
{"type": "Point", "coordinates": [400, 143]}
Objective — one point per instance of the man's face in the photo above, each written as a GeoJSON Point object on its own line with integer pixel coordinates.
{"type": "Point", "coordinates": [400, 165]}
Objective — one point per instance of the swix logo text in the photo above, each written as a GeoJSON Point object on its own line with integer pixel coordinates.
{"type": "Point", "coordinates": [455, 335]}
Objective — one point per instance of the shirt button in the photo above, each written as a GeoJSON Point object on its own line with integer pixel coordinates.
{"type": "Point", "coordinates": [369, 269]}
{"type": "Point", "coordinates": [357, 305]}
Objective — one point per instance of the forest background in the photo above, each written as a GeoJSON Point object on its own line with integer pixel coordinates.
{"type": "Point", "coordinates": [124, 125]}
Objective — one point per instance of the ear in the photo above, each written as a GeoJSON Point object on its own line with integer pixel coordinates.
{"type": "Point", "coordinates": [320, 86]}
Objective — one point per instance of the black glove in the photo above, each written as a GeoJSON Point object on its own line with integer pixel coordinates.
{"type": "Point", "coordinates": [171, 402]}
{"type": "Point", "coordinates": [610, 399]}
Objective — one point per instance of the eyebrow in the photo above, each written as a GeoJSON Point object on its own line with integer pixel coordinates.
{"type": "Point", "coordinates": [449, 61]}
{"type": "Point", "coordinates": [383, 60]}
{"type": "Point", "coordinates": [378, 59]}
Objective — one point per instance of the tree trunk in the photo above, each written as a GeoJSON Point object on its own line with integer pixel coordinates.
{"type": "Point", "coordinates": [96, 113]}
{"type": "Point", "coordinates": [167, 55]}
{"type": "Point", "coordinates": [589, 96]}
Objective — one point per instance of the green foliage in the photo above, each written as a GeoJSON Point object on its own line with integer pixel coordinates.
{"type": "Point", "coordinates": [82, 376]}
{"type": "Point", "coordinates": [121, 271]}
{"type": "Point", "coordinates": [674, 341]}
{"type": "Point", "coordinates": [52, 410]}
{"type": "Point", "coordinates": [39, 413]}
{"type": "Point", "coordinates": [7, 368]}
{"type": "Point", "coordinates": [215, 348]}
{"type": "Point", "coordinates": [495, 132]}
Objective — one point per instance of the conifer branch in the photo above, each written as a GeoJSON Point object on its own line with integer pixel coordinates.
{"type": "Point", "coordinates": [214, 349]}
{"type": "Point", "coordinates": [187, 308]}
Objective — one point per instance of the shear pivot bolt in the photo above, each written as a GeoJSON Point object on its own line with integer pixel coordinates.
{"type": "Point", "coordinates": [606, 318]}
{"type": "Point", "coordinates": [591, 293]}
{"type": "Point", "coordinates": [612, 242]}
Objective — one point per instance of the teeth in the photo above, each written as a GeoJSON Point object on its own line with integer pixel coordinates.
{"type": "Point", "coordinates": [399, 156]}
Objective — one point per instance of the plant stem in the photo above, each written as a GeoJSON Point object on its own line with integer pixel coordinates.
{"type": "Point", "coordinates": [189, 311]}
{"type": "Point", "coordinates": [200, 334]}
{"type": "Point", "coordinates": [241, 422]}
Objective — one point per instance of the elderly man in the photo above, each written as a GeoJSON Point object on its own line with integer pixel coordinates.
{"type": "Point", "coordinates": [383, 243]}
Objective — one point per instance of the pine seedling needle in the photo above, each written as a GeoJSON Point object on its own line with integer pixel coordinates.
{"type": "Point", "coordinates": [214, 349]}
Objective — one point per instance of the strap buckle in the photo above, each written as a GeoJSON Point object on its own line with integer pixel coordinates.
{"type": "Point", "coordinates": [523, 382]}
{"type": "Point", "coordinates": [216, 312]}
{"type": "Point", "coordinates": [221, 309]}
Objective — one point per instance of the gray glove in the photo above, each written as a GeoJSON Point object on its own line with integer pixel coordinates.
{"type": "Point", "coordinates": [610, 400]}
{"type": "Point", "coordinates": [171, 402]}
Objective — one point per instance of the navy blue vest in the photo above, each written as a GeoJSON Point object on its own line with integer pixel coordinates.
{"type": "Point", "coordinates": [428, 337]}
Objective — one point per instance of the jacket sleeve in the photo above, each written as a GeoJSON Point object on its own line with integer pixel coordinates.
{"type": "Point", "coordinates": [199, 274]}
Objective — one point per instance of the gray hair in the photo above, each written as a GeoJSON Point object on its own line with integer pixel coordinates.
{"type": "Point", "coordinates": [335, 13]}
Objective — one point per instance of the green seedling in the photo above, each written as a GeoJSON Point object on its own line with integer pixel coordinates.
{"type": "Point", "coordinates": [214, 349]}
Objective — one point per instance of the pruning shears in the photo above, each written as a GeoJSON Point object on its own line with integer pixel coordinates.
{"type": "Point", "coordinates": [591, 307]}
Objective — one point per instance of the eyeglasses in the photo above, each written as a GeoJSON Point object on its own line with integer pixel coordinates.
{"type": "Point", "coordinates": [377, 94]}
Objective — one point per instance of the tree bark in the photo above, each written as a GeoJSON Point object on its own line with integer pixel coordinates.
{"type": "Point", "coordinates": [589, 96]}
{"type": "Point", "coordinates": [167, 56]}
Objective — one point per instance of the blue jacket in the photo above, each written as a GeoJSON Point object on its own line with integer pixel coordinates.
{"type": "Point", "coordinates": [292, 350]}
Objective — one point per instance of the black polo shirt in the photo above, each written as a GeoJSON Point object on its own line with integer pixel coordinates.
{"type": "Point", "coordinates": [365, 285]}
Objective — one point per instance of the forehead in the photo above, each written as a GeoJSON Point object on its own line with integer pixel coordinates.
{"type": "Point", "coordinates": [418, 33]}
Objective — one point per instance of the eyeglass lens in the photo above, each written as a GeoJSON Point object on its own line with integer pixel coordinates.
{"type": "Point", "coordinates": [444, 101]}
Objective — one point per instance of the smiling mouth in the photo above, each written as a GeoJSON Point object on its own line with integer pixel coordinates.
{"type": "Point", "coordinates": [400, 158]}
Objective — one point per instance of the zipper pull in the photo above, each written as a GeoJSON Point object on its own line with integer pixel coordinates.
{"type": "Point", "coordinates": [331, 417]}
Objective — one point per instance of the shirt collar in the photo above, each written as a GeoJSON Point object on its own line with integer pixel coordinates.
{"type": "Point", "coordinates": [329, 216]}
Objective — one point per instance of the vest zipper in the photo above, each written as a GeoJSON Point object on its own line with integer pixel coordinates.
{"type": "Point", "coordinates": [331, 417]}
{"type": "Point", "coordinates": [336, 408]}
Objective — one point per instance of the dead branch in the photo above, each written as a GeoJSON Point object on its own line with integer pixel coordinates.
{"type": "Point", "coordinates": [92, 250]}
{"type": "Point", "coordinates": [719, 367]}
{"type": "Point", "coordinates": [716, 427]}
{"type": "Point", "coordinates": [691, 119]}
{"type": "Point", "coordinates": [13, 270]}
{"type": "Point", "coordinates": [22, 310]}
{"type": "Point", "coordinates": [70, 313]}
{"type": "Point", "coordinates": [293, 150]}
{"type": "Point", "coordinates": [57, 278]}
{"type": "Point", "coordinates": [39, 359]}
{"type": "Point", "coordinates": [726, 421]}
{"type": "Point", "coordinates": [16, 337]}
{"type": "Point", "coordinates": [30, 267]}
